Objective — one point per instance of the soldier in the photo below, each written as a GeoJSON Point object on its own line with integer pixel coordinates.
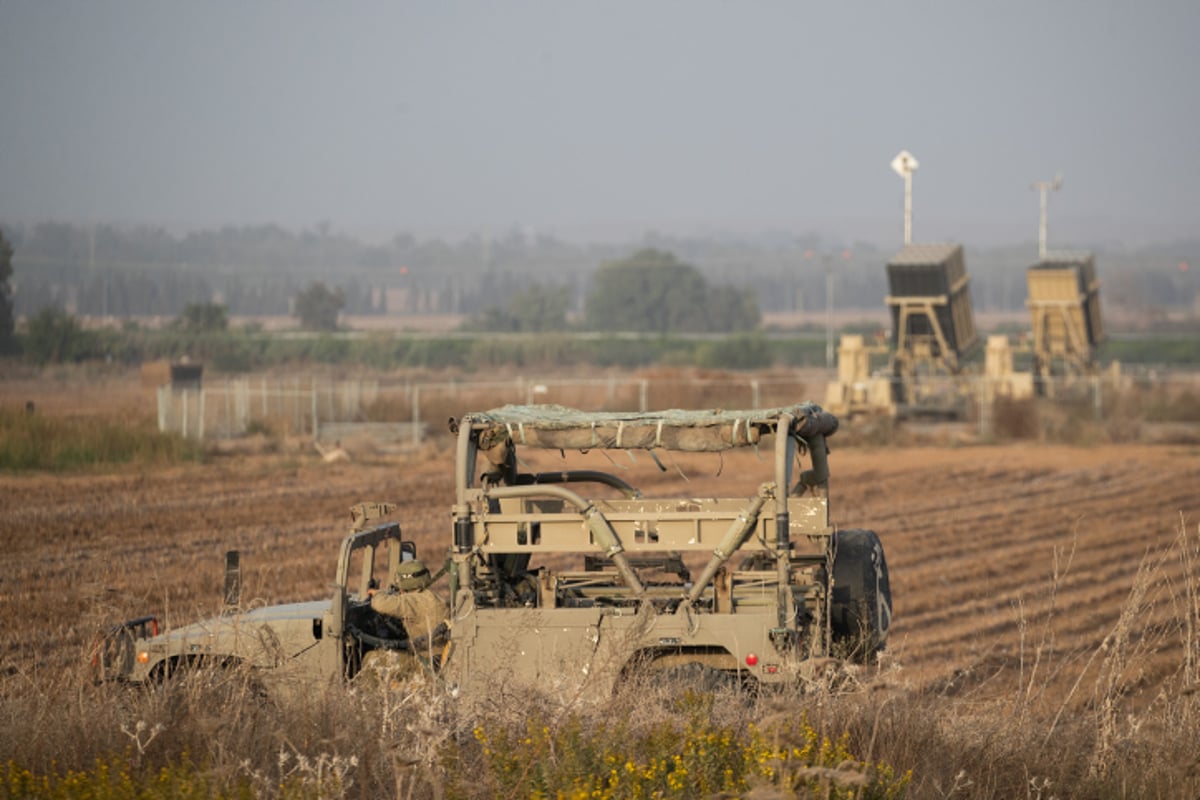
{"type": "Point", "coordinates": [409, 600]}
{"type": "Point", "coordinates": [409, 604]}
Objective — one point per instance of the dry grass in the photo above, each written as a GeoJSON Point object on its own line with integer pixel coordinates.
{"type": "Point", "coordinates": [417, 740]}
{"type": "Point", "coordinates": [1075, 723]}
{"type": "Point", "coordinates": [1047, 638]}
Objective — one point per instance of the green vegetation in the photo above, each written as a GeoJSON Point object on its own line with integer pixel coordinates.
{"type": "Point", "coordinates": [653, 291]}
{"type": "Point", "coordinates": [528, 334]}
{"type": "Point", "coordinates": [115, 780]}
{"type": "Point", "coordinates": [38, 442]}
{"type": "Point", "coordinates": [535, 309]}
{"type": "Point", "coordinates": [1153, 349]}
{"type": "Point", "coordinates": [201, 317]}
{"type": "Point", "coordinates": [56, 337]}
{"type": "Point", "coordinates": [670, 760]}
{"type": "Point", "coordinates": [318, 306]}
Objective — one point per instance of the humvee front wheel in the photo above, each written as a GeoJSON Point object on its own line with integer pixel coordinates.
{"type": "Point", "coordinates": [861, 603]}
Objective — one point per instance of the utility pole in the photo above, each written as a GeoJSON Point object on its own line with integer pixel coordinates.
{"type": "Point", "coordinates": [829, 284]}
{"type": "Point", "coordinates": [905, 165]}
{"type": "Point", "coordinates": [1044, 188]}
{"type": "Point", "coordinates": [828, 315]}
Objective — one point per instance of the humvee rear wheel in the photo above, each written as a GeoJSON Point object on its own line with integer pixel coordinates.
{"type": "Point", "coordinates": [861, 603]}
{"type": "Point", "coordinates": [696, 676]}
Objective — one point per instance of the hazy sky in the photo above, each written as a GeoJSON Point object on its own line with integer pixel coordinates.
{"type": "Point", "coordinates": [599, 120]}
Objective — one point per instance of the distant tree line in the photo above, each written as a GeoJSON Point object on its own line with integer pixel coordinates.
{"type": "Point", "coordinates": [652, 293]}
{"type": "Point", "coordinates": [105, 270]}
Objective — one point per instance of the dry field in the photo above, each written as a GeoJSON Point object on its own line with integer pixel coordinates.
{"type": "Point", "coordinates": [1012, 566]}
{"type": "Point", "coordinates": [993, 551]}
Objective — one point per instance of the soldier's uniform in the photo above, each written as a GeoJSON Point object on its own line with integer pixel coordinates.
{"type": "Point", "coordinates": [421, 613]}
{"type": "Point", "coordinates": [409, 600]}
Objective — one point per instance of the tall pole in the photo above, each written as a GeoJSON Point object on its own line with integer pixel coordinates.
{"type": "Point", "coordinates": [904, 165]}
{"type": "Point", "coordinates": [1042, 227]}
{"type": "Point", "coordinates": [1044, 188]}
{"type": "Point", "coordinates": [829, 286]}
{"type": "Point", "coordinates": [828, 315]}
{"type": "Point", "coordinates": [908, 208]}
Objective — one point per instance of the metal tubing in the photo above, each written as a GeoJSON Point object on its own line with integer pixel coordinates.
{"type": "Point", "coordinates": [602, 531]}
{"type": "Point", "coordinates": [464, 531]}
{"type": "Point", "coordinates": [733, 540]}
{"type": "Point", "coordinates": [785, 448]}
{"type": "Point", "coordinates": [580, 476]}
{"type": "Point", "coordinates": [819, 452]}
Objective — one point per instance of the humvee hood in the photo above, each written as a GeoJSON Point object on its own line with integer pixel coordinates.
{"type": "Point", "coordinates": [311, 609]}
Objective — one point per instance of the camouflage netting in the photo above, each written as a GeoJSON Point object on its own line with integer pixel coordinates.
{"type": "Point", "coordinates": [564, 428]}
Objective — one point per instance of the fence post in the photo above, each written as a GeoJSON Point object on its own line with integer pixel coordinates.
{"type": "Point", "coordinates": [162, 408]}
{"type": "Point", "coordinates": [643, 391]}
{"type": "Point", "coordinates": [184, 432]}
{"type": "Point", "coordinates": [295, 395]}
{"type": "Point", "coordinates": [755, 398]}
{"type": "Point", "coordinates": [313, 393]}
{"type": "Point", "coordinates": [200, 424]}
{"type": "Point", "coordinates": [242, 406]}
{"type": "Point", "coordinates": [985, 407]}
{"type": "Point", "coordinates": [416, 415]}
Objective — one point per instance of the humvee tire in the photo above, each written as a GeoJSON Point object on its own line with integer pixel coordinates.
{"type": "Point", "coordinates": [672, 681]}
{"type": "Point", "coordinates": [861, 607]}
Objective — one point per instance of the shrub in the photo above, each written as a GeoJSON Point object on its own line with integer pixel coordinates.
{"type": "Point", "coordinates": [55, 337]}
{"type": "Point", "coordinates": [1015, 419]}
{"type": "Point", "coordinates": [734, 352]}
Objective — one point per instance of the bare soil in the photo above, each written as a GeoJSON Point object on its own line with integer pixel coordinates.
{"type": "Point", "coordinates": [1000, 556]}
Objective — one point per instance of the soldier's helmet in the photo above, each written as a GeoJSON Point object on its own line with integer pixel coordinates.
{"type": "Point", "coordinates": [411, 575]}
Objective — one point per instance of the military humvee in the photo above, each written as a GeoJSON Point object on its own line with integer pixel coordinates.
{"type": "Point", "coordinates": [302, 641]}
{"type": "Point", "coordinates": [572, 577]}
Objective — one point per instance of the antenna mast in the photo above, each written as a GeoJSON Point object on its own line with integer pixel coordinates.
{"type": "Point", "coordinates": [904, 164]}
{"type": "Point", "coordinates": [1044, 187]}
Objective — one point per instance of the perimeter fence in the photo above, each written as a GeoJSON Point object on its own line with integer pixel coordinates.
{"type": "Point", "coordinates": [399, 413]}
{"type": "Point", "coordinates": [404, 412]}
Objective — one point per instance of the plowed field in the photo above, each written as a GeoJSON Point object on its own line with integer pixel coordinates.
{"type": "Point", "coordinates": [1003, 559]}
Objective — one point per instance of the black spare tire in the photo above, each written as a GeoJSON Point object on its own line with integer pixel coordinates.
{"type": "Point", "coordinates": [861, 607]}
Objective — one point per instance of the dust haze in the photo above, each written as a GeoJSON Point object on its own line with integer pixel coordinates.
{"type": "Point", "coordinates": [595, 121]}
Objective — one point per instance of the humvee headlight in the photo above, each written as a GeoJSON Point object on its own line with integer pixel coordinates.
{"type": "Point", "coordinates": [143, 657]}
{"type": "Point", "coordinates": [751, 660]}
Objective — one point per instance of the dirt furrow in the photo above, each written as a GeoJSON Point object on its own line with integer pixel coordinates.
{"type": "Point", "coordinates": [972, 535]}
